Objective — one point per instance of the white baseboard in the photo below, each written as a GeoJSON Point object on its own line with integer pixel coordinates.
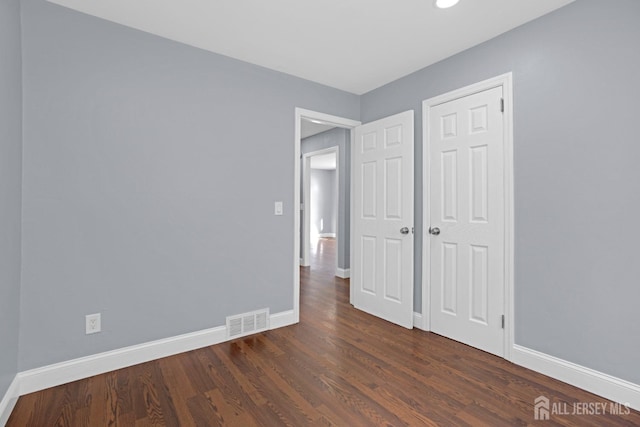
{"type": "Point", "coordinates": [284, 318]}
{"type": "Point", "coordinates": [607, 386]}
{"type": "Point", "coordinates": [604, 385]}
{"type": "Point", "coordinates": [9, 400]}
{"type": "Point", "coordinates": [321, 235]}
{"type": "Point", "coordinates": [343, 273]}
{"type": "Point", "coordinates": [84, 367]}
{"type": "Point", "coordinates": [417, 320]}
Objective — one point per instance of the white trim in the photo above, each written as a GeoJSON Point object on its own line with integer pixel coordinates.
{"type": "Point", "coordinates": [284, 318]}
{"type": "Point", "coordinates": [296, 214]}
{"type": "Point", "coordinates": [84, 367]}
{"type": "Point", "coordinates": [352, 143]}
{"type": "Point", "coordinates": [509, 215]}
{"type": "Point", "coordinates": [8, 402]}
{"type": "Point", "coordinates": [506, 82]}
{"type": "Point", "coordinates": [417, 320]}
{"type": "Point", "coordinates": [301, 113]}
{"type": "Point", "coordinates": [343, 273]}
{"type": "Point", "coordinates": [426, 220]}
{"type": "Point", "coordinates": [330, 235]}
{"type": "Point", "coordinates": [596, 382]}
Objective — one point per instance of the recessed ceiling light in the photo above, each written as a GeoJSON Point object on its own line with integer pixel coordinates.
{"type": "Point", "coordinates": [443, 4]}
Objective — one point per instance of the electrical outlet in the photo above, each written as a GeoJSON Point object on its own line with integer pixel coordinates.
{"type": "Point", "coordinates": [92, 323]}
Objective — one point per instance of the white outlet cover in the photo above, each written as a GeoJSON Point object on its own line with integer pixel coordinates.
{"type": "Point", "coordinates": [278, 207]}
{"type": "Point", "coordinates": [92, 323]}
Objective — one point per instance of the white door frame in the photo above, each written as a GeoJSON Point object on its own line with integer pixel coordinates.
{"type": "Point", "coordinates": [506, 82]}
{"type": "Point", "coordinates": [306, 202]}
{"type": "Point", "coordinates": [342, 122]}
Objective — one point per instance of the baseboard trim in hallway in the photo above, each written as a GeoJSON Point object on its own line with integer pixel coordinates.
{"type": "Point", "coordinates": [343, 273]}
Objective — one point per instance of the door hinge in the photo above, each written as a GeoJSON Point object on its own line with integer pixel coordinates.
{"type": "Point", "coordinates": [503, 321]}
{"type": "Point", "coordinates": [502, 105]}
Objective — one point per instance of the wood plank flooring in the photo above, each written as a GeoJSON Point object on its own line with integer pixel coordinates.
{"type": "Point", "coordinates": [337, 367]}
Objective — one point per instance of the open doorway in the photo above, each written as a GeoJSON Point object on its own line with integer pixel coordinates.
{"type": "Point", "coordinates": [335, 132]}
{"type": "Point", "coordinates": [324, 202]}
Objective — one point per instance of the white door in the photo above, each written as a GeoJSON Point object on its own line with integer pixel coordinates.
{"type": "Point", "coordinates": [382, 242]}
{"type": "Point", "coordinates": [467, 199]}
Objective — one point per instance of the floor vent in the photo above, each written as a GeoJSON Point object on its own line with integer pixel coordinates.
{"type": "Point", "coordinates": [247, 323]}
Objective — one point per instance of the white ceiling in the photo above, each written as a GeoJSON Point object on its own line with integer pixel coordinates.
{"type": "Point", "coordinates": [323, 161]}
{"type": "Point", "coordinates": [354, 45]}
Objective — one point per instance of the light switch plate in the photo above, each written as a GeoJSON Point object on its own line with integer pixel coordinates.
{"type": "Point", "coordinates": [278, 208]}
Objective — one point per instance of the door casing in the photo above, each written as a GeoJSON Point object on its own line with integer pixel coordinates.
{"type": "Point", "coordinates": [506, 82]}
{"type": "Point", "coordinates": [342, 122]}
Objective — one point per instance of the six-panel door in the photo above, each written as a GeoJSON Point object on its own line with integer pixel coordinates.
{"type": "Point", "coordinates": [382, 252]}
{"type": "Point", "coordinates": [466, 187]}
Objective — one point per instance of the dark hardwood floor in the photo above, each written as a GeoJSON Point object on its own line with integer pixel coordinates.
{"type": "Point", "coordinates": [337, 367]}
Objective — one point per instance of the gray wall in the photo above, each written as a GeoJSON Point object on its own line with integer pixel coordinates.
{"type": "Point", "coordinates": [10, 187]}
{"type": "Point", "coordinates": [324, 201]}
{"type": "Point", "coordinates": [577, 179]}
{"type": "Point", "coordinates": [340, 138]}
{"type": "Point", "coordinates": [150, 173]}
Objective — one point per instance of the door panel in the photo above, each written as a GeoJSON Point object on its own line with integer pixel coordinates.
{"type": "Point", "coordinates": [383, 205]}
{"type": "Point", "coordinates": [449, 278]}
{"type": "Point", "coordinates": [449, 191]}
{"type": "Point", "coordinates": [369, 190]}
{"type": "Point", "coordinates": [368, 265]}
{"type": "Point", "coordinates": [393, 189]}
{"type": "Point", "coordinates": [466, 185]}
{"type": "Point", "coordinates": [393, 272]}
